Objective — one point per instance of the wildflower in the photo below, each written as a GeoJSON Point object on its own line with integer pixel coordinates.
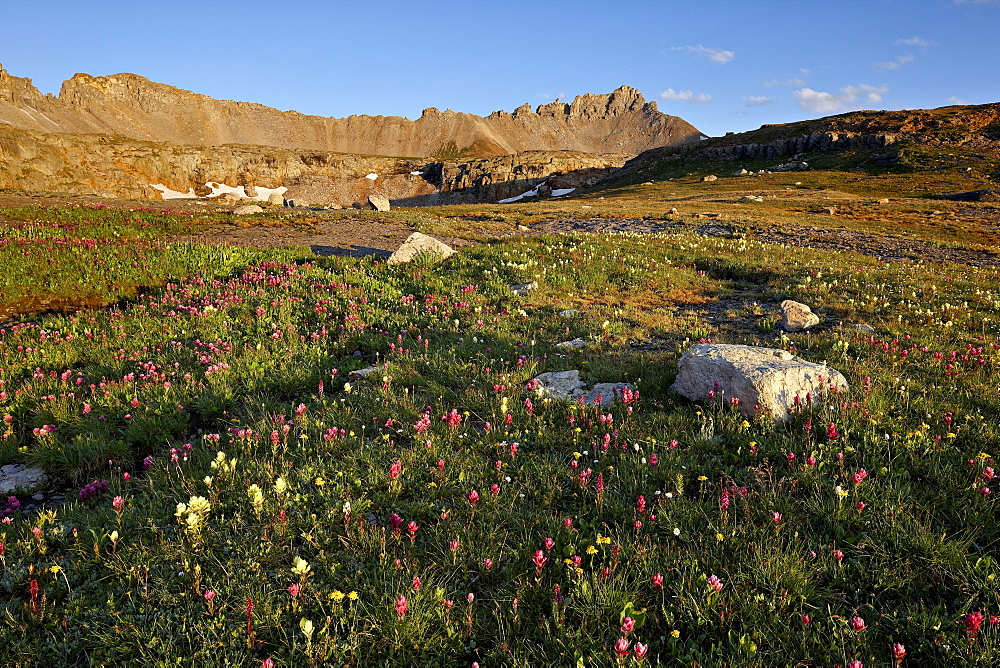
{"type": "Point", "coordinates": [855, 664]}
{"type": "Point", "coordinates": [549, 544]}
{"type": "Point", "coordinates": [858, 624]}
{"type": "Point", "coordinates": [488, 563]}
{"type": "Point", "coordinates": [353, 596]}
{"type": "Point", "coordinates": [395, 469]}
{"type": "Point", "coordinates": [898, 652]}
{"type": "Point", "coordinates": [401, 607]}
{"type": "Point", "coordinates": [715, 583]}
{"type": "Point", "coordinates": [677, 531]}
{"type": "Point", "coordinates": [473, 497]}
{"type": "Point", "coordinates": [640, 650]}
{"type": "Point", "coordinates": [453, 545]}
{"type": "Point", "coordinates": [776, 517]}
{"type": "Point", "coordinates": [675, 634]}
{"type": "Point", "coordinates": [972, 622]}
{"type": "Point", "coordinates": [628, 625]}
{"type": "Point", "coordinates": [859, 476]}
{"type": "Point", "coordinates": [294, 589]}
{"type": "Point", "coordinates": [805, 619]}
{"type": "Point", "coordinates": [657, 581]}
{"type": "Point", "coordinates": [118, 503]}
{"type": "Point", "coordinates": [337, 596]}
{"type": "Point", "coordinates": [540, 560]}
{"type": "Point", "coordinates": [622, 647]}
{"type": "Point", "coordinates": [861, 506]}
{"type": "Point", "coordinates": [416, 583]}
{"type": "Point", "coordinates": [838, 555]}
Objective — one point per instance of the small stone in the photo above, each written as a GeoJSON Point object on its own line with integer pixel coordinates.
{"type": "Point", "coordinates": [882, 200]}
{"type": "Point", "coordinates": [575, 343]}
{"type": "Point", "coordinates": [710, 177]}
{"type": "Point", "coordinates": [523, 228]}
{"type": "Point", "coordinates": [361, 373]}
{"type": "Point", "coordinates": [38, 497]}
{"type": "Point", "coordinates": [247, 210]}
{"type": "Point", "coordinates": [523, 288]}
{"type": "Point", "coordinates": [569, 313]}
{"type": "Point", "coordinates": [796, 317]}
{"type": "Point", "coordinates": [862, 327]}
{"type": "Point", "coordinates": [750, 198]}
{"type": "Point", "coordinates": [830, 210]}
{"type": "Point", "coordinates": [673, 211]}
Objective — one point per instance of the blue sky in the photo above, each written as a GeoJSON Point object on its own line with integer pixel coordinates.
{"type": "Point", "coordinates": [723, 65]}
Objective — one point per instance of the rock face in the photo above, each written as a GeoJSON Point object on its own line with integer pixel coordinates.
{"type": "Point", "coordinates": [768, 378]}
{"type": "Point", "coordinates": [417, 244]}
{"type": "Point", "coordinates": [796, 317]}
{"type": "Point", "coordinates": [133, 106]}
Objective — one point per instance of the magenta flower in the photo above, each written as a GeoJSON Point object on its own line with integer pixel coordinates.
{"type": "Point", "coordinates": [395, 469]}
{"type": "Point", "coordinates": [715, 583]}
{"type": "Point", "coordinates": [855, 664]}
{"type": "Point", "coordinates": [473, 497]}
{"type": "Point", "coordinates": [859, 476]}
{"type": "Point", "coordinates": [838, 555]}
{"type": "Point", "coordinates": [118, 503]}
{"type": "Point", "coordinates": [416, 583]}
{"type": "Point", "coordinates": [657, 580]}
{"type": "Point", "coordinates": [805, 620]}
{"type": "Point", "coordinates": [640, 650]}
{"type": "Point", "coordinates": [622, 647]}
{"type": "Point", "coordinates": [209, 594]}
{"type": "Point", "coordinates": [488, 563]}
{"type": "Point", "coordinates": [549, 544]}
{"type": "Point", "coordinates": [294, 589]}
{"type": "Point", "coordinates": [401, 607]}
{"type": "Point", "coordinates": [972, 622]}
{"type": "Point", "coordinates": [540, 560]}
{"type": "Point", "coordinates": [628, 625]}
{"type": "Point", "coordinates": [858, 624]}
{"type": "Point", "coordinates": [898, 652]}
{"type": "Point", "coordinates": [776, 517]}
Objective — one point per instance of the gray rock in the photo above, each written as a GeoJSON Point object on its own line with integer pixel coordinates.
{"type": "Point", "coordinates": [420, 244]}
{"type": "Point", "coordinates": [361, 373]}
{"type": "Point", "coordinates": [379, 202]}
{"type": "Point", "coordinates": [770, 379]}
{"type": "Point", "coordinates": [862, 327]}
{"type": "Point", "coordinates": [830, 210]}
{"type": "Point", "coordinates": [20, 476]}
{"type": "Point", "coordinates": [523, 288]}
{"type": "Point", "coordinates": [569, 313]}
{"type": "Point", "coordinates": [750, 198]}
{"type": "Point", "coordinates": [575, 343]}
{"type": "Point", "coordinates": [710, 177]}
{"type": "Point", "coordinates": [796, 317]}
{"type": "Point", "coordinates": [742, 172]}
{"type": "Point", "coordinates": [247, 210]}
{"type": "Point", "coordinates": [567, 385]}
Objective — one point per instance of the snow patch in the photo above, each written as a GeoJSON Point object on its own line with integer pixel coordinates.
{"type": "Point", "coordinates": [415, 173]}
{"type": "Point", "coordinates": [559, 192]}
{"type": "Point", "coordinates": [530, 193]}
{"type": "Point", "coordinates": [218, 189]}
{"type": "Point", "coordinates": [371, 176]}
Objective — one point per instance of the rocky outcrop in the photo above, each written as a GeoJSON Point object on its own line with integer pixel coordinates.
{"type": "Point", "coordinates": [418, 244]}
{"type": "Point", "coordinates": [135, 107]}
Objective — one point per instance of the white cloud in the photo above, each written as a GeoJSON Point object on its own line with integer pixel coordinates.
{"type": "Point", "coordinates": [898, 61]}
{"type": "Point", "coordinates": [757, 101]}
{"type": "Point", "coordinates": [686, 96]}
{"type": "Point", "coordinates": [718, 56]}
{"type": "Point", "coordinates": [794, 81]}
{"type": "Point", "coordinates": [957, 100]}
{"type": "Point", "coordinates": [916, 40]}
{"type": "Point", "coordinates": [850, 97]}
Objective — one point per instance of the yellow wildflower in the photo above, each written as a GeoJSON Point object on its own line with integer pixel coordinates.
{"type": "Point", "coordinates": [591, 549]}
{"type": "Point", "coordinates": [337, 596]}
{"type": "Point", "coordinates": [353, 596]}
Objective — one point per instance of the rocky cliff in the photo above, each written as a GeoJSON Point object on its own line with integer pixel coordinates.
{"type": "Point", "coordinates": [135, 107]}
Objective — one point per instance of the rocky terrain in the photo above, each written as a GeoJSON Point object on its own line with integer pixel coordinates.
{"type": "Point", "coordinates": [126, 136]}
{"type": "Point", "coordinates": [967, 137]}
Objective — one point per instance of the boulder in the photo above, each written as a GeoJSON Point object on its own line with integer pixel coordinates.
{"type": "Point", "coordinates": [420, 244]}
{"type": "Point", "coordinates": [830, 210]}
{"type": "Point", "coordinates": [275, 198]}
{"type": "Point", "coordinates": [763, 380]}
{"type": "Point", "coordinates": [227, 198]}
{"type": "Point", "coordinates": [750, 198]}
{"type": "Point", "coordinates": [710, 177]}
{"type": "Point", "coordinates": [378, 202]}
{"type": "Point", "coordinates": [247, 210]}
{"type": "Point", "coordinates": [251, 191]}
{"type": "Point", "coordinates": [202, 191]}
{"type": "Point", "coordinates": [796, 317]}
{"type": "Point", "coordinates": [20, 476]}
{"type": "Point", "coordinates": [575, 343]}
{"type": "Point", "coordinates": [569, 313]}
{"type": "Point", "coordinates": [523, 288]}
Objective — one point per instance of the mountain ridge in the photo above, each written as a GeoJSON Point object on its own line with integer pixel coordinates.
{"type": "Point", "coordinates": [136, 107]}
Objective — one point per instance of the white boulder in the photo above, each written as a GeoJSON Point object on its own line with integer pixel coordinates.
{"type": "Point", "coordinates": [764, 380]}
{"type": "Point", "coordinates": [418, 244]}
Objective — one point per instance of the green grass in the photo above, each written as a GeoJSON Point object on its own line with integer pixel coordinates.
{"type": "Point", "coordinates": [241, 375]}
